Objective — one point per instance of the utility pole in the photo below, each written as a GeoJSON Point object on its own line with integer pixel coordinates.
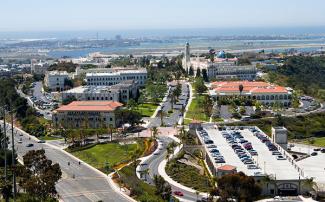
{"type": "Point", "coordinates": [13, 164]}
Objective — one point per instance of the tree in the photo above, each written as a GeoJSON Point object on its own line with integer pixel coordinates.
{"type": "Point", "coordinates": [127, 116]}
{"type": "Point", "coordinates": [199, 86]}
{"type": "Point", "coordinates": [241, 88]}
{"type": "Point", "coordinates": [68, 100]}
{"type": "Point", "coordinates": [132, 104]}
{"type": "Point", "coordinates": [205, 75]}
{"type": "Point", "coordinates": [38, 176]}
{"type": "Point", "coordinates": [154, 132]}
{"type": "Point", "coordinates": [198, 73]}
{"type": "Point", "coordinates": [178, 90]}
{"type": "Point", "coordinates": [162, 187]}
{"type": "Point", "coordinates": [208, 105]}
{"type": "Point", "coordinates": [191, 71]}
{"type": "Point", "coordinates": [239, 187]}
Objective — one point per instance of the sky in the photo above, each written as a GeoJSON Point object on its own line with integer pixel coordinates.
{"type": "Point", "coordinates": [71, 15]}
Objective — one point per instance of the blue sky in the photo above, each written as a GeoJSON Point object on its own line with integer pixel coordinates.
{"type": "Point", "coordinates": [67, 15]}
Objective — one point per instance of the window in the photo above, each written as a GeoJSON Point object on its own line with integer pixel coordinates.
{"type": "Point", "coordinates": [111, 119]}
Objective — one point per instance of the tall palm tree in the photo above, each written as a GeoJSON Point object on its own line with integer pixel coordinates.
{"type": "Point", "coordinates": [241, 88]}
{"type": "Point", "coordinates": [162, 114]}
{"type": "Point", "coordinates": [311, 184]}
{"type": "Point", "coordinates": [154, 132]}
{"type": "Point", "coordinates": [111, 128]}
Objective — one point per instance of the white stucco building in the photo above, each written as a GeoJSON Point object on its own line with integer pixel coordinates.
{"type": "Point", "coordinates": [121, 92]}
{"type": "Point", "coordinates": [113, 78]}
{"type": "Point", "coordinates": [55, 80]}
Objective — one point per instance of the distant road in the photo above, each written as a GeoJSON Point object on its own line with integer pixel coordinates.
{"type": "Point", "coordinates": [79, 183]}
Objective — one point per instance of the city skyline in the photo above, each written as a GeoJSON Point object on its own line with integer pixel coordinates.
{"type": "Point", "coordinates": [75, 15]}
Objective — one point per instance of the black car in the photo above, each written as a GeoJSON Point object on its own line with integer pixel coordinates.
{"type": "Point", "coordinates": [314, 154]}
{"type": "Point", "coordinates": [29, 145]}
{"type": "Point", "coordinates": [322, 150]}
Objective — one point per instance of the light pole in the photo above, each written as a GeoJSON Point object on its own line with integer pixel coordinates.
{"type": "Point", "coordinates": [5, 140]}
{"type": "Point", "coordinates": [13, 164]}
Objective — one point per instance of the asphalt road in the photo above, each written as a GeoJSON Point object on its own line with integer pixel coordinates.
{"type": "Point", "coordinates": [173, 118]}
{"type": "Point", "coordinates": [153, 163]}
{"type": "Point", "coordinates": [79, 182]}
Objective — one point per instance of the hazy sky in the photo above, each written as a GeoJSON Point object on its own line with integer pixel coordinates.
{"type": "Point", "coordinates": [60, 15]}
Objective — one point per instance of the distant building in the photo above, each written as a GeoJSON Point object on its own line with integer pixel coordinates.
{"type": "Point", "coordinates": [55, 80]}
{"type": "Point", "coordinates": [121, 92]}
{"type": "Point", "coordinates": [222, 68]}
{"type": "Point", "coordinates": [263, 92]}
{"type": "Point", "coordinates": [87, 114]}
{"type": "Point", "coordinates": [113, 78]}
{"type": "Point", "coordinates": [38, 67]}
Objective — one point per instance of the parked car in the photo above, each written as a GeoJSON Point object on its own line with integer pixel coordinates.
{"type": "Point", "coordinates": [322, 150]}
{"type": "Point", "coordinates": [29, 145]}
{"type": "Point", "coordinates": [314, 154]}
{"type": "Point", "coordinates": [276, 153]}
{"type": "Point", "coordinates": [280, 157]}
{"type": "Point", "coordinates": [252, 167]}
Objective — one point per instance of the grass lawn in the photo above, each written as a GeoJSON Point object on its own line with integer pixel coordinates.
{"type": "Point", "coordinates": [188, 176]}
{"type": "Point", "coordinates": [147, 109]}
{"type": "Point", "coordinates": [140, 190]}
{"type": "Point", "coordinates": [113, 153]}
{"type": "Point", "coordinates": [195, 110]}
{"type": "Point", "coordinates": [319, 141]}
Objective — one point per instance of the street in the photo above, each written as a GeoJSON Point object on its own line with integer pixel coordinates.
{"type": "Point", "coordinates": [172, 118]}
{"type": "Point", "coordinates": [78, 182]}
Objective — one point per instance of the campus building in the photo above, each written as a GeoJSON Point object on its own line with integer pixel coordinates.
{"type": "Point", "coordinates": [121, 92]}
{"type": "Point", "coordinates": [113, 78]}
{"type": "Point", "coordinates": [221, 68]}
{"type": "Point", "coordinates": [263, 92]}
{"type": "Point", "coordinates": [88, 114]}
{"type": "Point", "coordinates": [55, 80]}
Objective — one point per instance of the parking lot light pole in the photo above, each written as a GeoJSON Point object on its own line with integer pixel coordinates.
{"type": "Point", "coordinates": [5, 140]}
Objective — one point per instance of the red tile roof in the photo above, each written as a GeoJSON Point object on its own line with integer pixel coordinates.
{"type": "Point", "coordinates": [227, 167]}
{"type": "Point", "coordinates": [249, 87]}
{"type": "Point", "coordinates": [101, 106]}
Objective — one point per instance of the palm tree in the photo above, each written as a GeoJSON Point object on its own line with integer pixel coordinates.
{"type": "Point", "coordinates": [154, 132]}
{"type": "Point", "coordinates": [111, 128]}
{"type": "Point", "coordinates": [162, 114]}
{"type": "Point", "coordinates": [311, 184]}
{"type": "Point", "coordinates": [241, 88]}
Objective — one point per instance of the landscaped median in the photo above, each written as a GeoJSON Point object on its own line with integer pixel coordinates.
{"type": "Point", "coordinates": [196, 110]}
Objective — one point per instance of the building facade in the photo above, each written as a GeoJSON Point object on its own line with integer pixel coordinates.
{"type": "Point", "coordinates": [86, 114]}
{"type": "Point", "coordinates": [121, 92]}
{"type": "Point", "coordinates": [55, 80]}
{"type": "Point", "coordinates": [113, 78]}
{"type": "Point", "coordinates": [265, 93]}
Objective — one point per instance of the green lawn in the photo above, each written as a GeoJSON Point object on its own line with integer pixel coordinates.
{"type": "Point", "coordinates": [319, 141]}
{"type": "Point", "coordinates": [147, 109]}
{"type": "Point", "coordinates": [113, 153]}
{"type": "Point", "coordinates": [195, 110]}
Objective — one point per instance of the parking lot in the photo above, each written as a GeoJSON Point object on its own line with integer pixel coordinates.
{"type": "Point", "coordinates": [250, 151]}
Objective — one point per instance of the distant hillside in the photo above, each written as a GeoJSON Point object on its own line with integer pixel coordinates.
{"type": "Point", "coordinates": [304, 73]}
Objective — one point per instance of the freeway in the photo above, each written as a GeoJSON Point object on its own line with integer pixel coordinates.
{"type": "Point", "coordinates": [79, 182]}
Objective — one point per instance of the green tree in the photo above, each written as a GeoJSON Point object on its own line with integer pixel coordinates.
{"type": "Point", "coordinates": [199, 86]}
{"type": "Point", "coordinates": [162, 187]}
{"type": "Point", "coordinates": [191, 71]}
{"type": "Point", "coordinates": [205, 75]}
{"type": "Point", "coordinates": [38, 176]}
{"type": "Point", "coordinates": [239, 187]}
{"type": "Point", "coordinates": [198, 73]}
